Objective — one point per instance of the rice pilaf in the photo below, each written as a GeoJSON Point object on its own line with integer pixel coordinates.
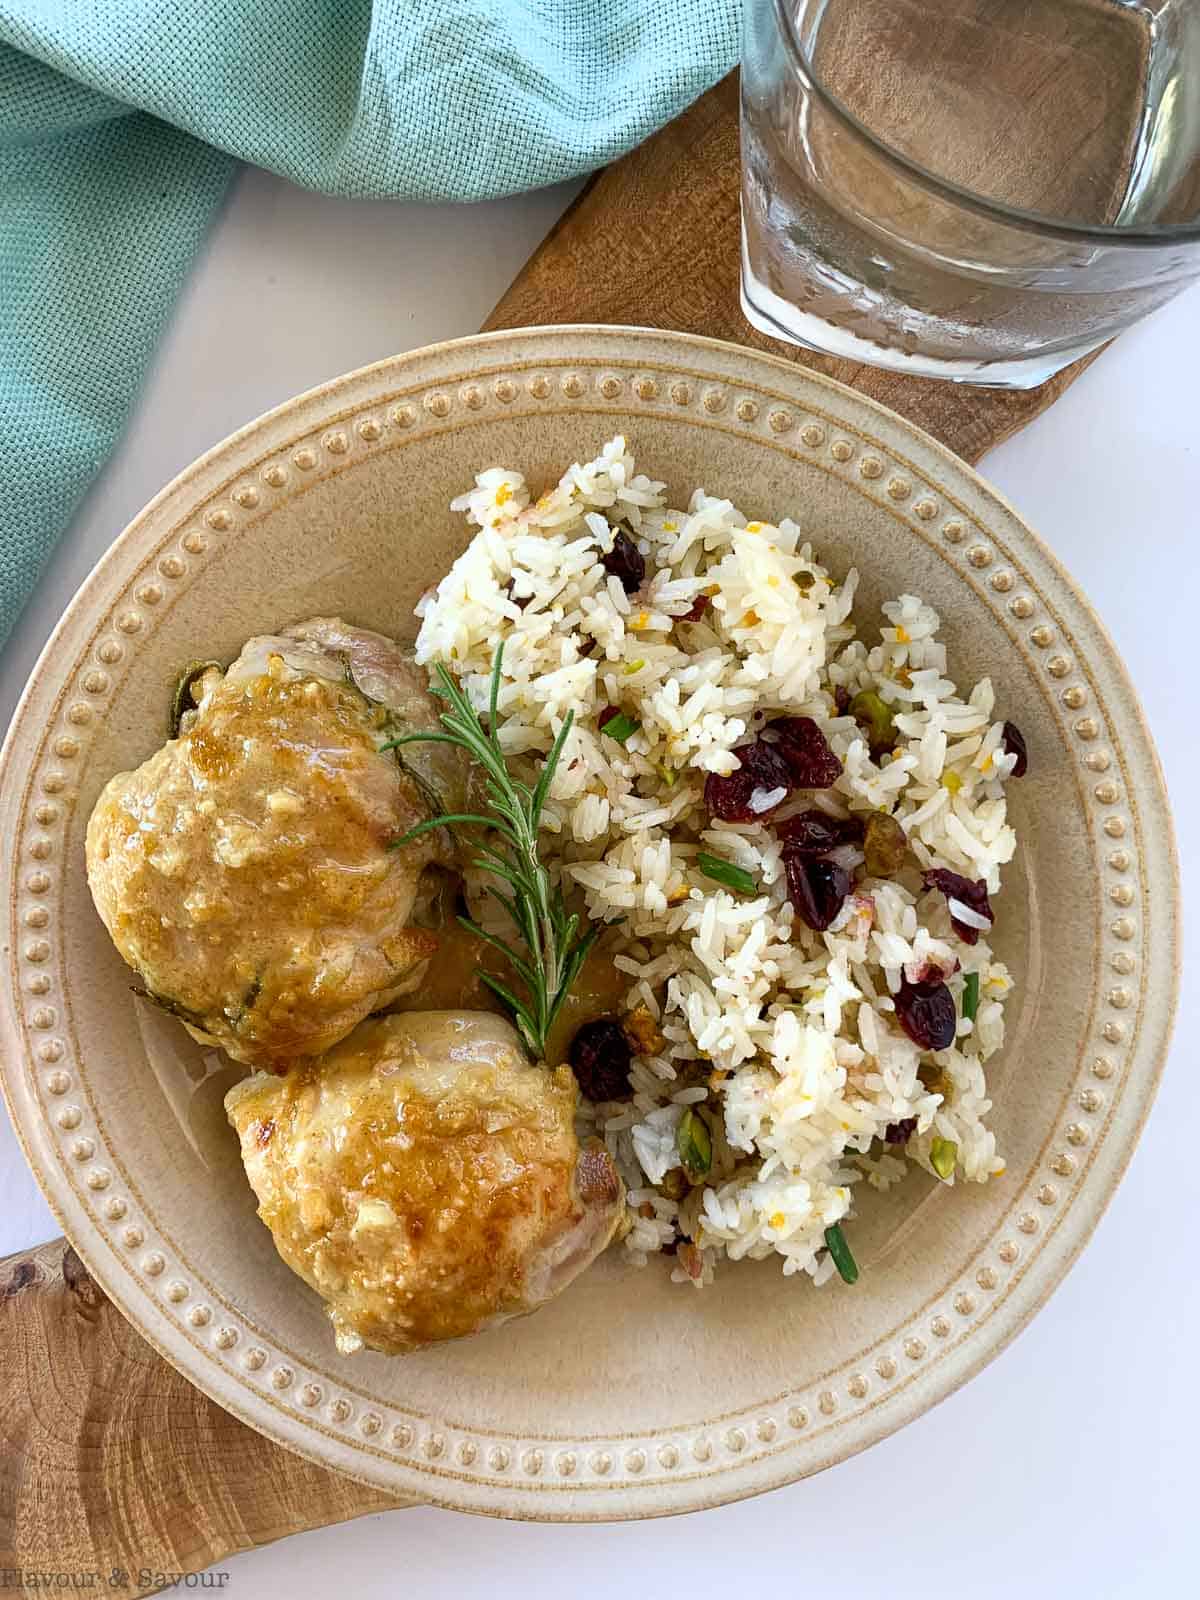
{"type": "Point", "coordinates": [780, 1050]}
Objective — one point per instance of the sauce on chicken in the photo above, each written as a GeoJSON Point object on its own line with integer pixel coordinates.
{"type": "Point", "coordinates": [453, 983]}
{"type": "Point", "coordinates": [425, 1178]}
{"type": "Point", "coordinates": [246, 871]}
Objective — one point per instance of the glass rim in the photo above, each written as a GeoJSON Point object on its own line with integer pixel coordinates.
{"type": "Point", "coordinates": [1147, 235]}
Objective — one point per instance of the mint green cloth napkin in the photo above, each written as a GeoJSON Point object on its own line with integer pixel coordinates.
{"type": "Point", "coordinates": [121, 122]}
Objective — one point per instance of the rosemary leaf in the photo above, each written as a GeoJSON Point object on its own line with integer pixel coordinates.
{"type": "Point", "coordinates": [417, 738]}
{"type": "Point", "coordinates": [555, 948]}
{"type": "Point", "coordinates": [439, 822]}
{"type": "Point", "coordinates": [519, 964]}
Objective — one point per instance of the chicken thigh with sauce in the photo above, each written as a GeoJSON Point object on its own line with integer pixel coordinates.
{"type": "Point", "coordinates": [244, 871]}
{"type": "Point", "coordinates": [425, 1179]}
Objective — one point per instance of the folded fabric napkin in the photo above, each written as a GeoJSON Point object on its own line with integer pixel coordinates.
{"type": "Point", "coordinates": [121, 122]}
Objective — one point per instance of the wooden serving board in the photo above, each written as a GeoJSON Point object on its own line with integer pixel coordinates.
{"type": "Point", "coordinates": [109, 1460]}
{"type": "Point", "coordinates": [655, 240]}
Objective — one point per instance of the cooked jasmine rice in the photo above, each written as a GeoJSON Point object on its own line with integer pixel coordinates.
{"type": "Point", "coordinates": [783, 1041]}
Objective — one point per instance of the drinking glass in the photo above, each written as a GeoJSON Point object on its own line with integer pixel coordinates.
{"type": "Point", "coordinates": [980, 190]}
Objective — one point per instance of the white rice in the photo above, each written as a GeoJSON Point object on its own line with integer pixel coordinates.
{"type": "Point", "coordinates": [785, 1041]}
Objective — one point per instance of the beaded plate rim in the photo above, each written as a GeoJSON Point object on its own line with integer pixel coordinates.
{"type": "Point", "coordinates": [620, 373]}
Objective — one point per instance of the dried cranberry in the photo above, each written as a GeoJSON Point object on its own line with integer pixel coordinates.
{"type": "Point", "coordinates": [762, 769]}
{"type": "Point", "coordinates": [625, 562]}
{"type": "Point", "coordinates": [926, 1013]}
{"type": "Point", "coordinates": [600, 1057]}
{"type": "Point", "coordinates": [900, 1132]}
{"type": "Point", "coordinates": [955, 887]}
{"type": "Point", "coordinates": [806, 750]}
{"type": "Point", "coordinates": [816, 887]}
{"type": "Point", "coordinates": [816, 833]}
{"type": "Point", "coordinates": [607, 715]}
{"type": "Point", "coordinates": [1013, 743]}
{"type": "Point", "coordinates": [696, 610]}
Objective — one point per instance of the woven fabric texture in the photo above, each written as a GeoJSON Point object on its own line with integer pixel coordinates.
{"type": "Point", "coordinates": [121, 123]}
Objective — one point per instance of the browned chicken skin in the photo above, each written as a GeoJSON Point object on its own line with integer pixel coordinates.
{"type": "Point", "coordinates": [244, 871]}
{"type": "Point", "coordinates": [422, 1176]}
{"type": "Point", "coordinates": [425, 1179]}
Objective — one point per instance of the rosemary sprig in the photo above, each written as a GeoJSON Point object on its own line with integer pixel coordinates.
{"type": "Point", "coordinates": [554, 948]}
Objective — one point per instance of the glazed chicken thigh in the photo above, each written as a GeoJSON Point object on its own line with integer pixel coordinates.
{"type": "Point", "coordinates": [245, 871]}
{"type": "Point", "coordinates": [425, 1179]}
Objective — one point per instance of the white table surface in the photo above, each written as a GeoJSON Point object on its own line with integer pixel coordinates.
{"type": "Point", "coordinates": [1065, 1469]}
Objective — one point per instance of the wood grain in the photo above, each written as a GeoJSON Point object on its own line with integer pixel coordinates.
{"type": "Point", "coordinates": [655, 240]}
{"type": "Point", "coordinates": [109, 1459]}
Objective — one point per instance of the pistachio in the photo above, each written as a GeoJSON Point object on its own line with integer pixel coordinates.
{"type": "Point", "coordinates": [694, 1143]}
{"type": "Point", "coordinates": [943, 1155]}
{"type": "Point", "coordinates": [885, 845]}
{"type": "Point", "coordinates": [876, 718]}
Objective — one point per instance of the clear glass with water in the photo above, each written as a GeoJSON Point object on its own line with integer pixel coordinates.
{"type": "Point", "coordinates": [981, 190]}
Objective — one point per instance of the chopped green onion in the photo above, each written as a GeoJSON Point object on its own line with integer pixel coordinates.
{"type": "Point", "coordinates": [970, 1003]}
{"type": "Point", "coordinates": [634, 666]}
{"type": "Point", "coordinates": [943, 1155]}
{"type": "Point", "coordinates": [668, 775]}
{"type": "Point", "coordinates": [843, 1258]}
{"type": "Point", "coordinates": [694, 1143]}
{"type": "Point", "coordinates": [725, 872]}
{"type": "Point", "coordinates": [620, 727]}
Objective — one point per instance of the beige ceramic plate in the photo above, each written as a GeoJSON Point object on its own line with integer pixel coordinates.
{"type": "Point", "coordinates": [629, 1396]}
